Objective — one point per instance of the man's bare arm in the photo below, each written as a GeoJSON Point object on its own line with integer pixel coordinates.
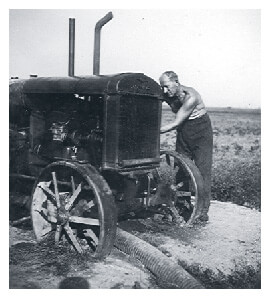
{"type": "Point", "coordinates": [183, 113]}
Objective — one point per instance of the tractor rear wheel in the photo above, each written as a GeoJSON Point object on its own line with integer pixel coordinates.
{"type": "Point", "coordinates": [180, 176]}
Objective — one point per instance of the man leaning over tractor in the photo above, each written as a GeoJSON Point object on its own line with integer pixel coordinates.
{"type": "Point", "coordinates": [194, 130]}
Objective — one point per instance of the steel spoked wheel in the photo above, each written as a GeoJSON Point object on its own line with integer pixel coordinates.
{"type": "Point", "coordinates": [73, 202]}
{"type": "Point", "coordinates": [185, 183]}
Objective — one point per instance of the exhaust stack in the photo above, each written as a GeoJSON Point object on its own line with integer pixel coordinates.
{"type": "Point", "coordinates": [71, 64]}
{"type": "Point", "coordinates": [97, 37]}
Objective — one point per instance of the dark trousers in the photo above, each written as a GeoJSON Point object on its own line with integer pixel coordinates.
{"type": "Point", "coordinates": [195, 139]}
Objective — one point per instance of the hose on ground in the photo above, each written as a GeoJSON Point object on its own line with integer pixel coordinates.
{"type": "Point", "coordinates": [167, 272]}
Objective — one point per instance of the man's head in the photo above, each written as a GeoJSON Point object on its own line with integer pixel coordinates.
{"type": "Point", "coordinates": [169, 83]}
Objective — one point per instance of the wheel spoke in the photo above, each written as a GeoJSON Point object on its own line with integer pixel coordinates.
{"type": "Point", "coordinates": [72, 237]}
{"type": "Point", "coordinates": [73, 197]}
{"type": "Point", "coordinates": [175, 212]}
{"type": "Point", "coordinates": [73, 184]}
{"type": "Point", "coordinates": [45, 189]}
{"type": "Point", "coordinates": [57, 197]}
{"type": "Point", "coordinates": [168, 161]}
{"type": "Point", "coordinates": [46, 230]}
{"type": "Point", "coordinates": [90, 204]}
{"type": "Point", "coordinates": [177, 186]}
{"type": "Point", "coordinates": [44, 216]}
{"type": "Point", "coordinates": [91, 234]}
{"type": "Point", "coordinates": [58, 233]}
{"type": "Point", "coordinates": [85, 221]}
{"type": "Point", "coordinates": [51, 212]}
{"type": "Point", "coordinates": [183, 194]}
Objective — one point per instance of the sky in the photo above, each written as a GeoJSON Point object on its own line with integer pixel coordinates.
{"type": "Point", "coordinates": [215, 51]}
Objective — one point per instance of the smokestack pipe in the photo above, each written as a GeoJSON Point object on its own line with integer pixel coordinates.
{"type": "Point", "coordinates": [71, 64]}
{"type": "Point", "coordinates": [97, 37]}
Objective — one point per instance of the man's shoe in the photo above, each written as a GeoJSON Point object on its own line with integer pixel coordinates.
{"type": "Point", "coordinates": [200, 219]}
{"type": "Point", "coordinates": [203, 217]}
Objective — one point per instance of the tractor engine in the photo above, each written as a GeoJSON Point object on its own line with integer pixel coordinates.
{"type": "Point", "coordinates": [75, 133]}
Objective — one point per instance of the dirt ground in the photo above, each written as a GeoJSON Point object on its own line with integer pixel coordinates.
{"type": "Point", "coordinates": [223, 253]}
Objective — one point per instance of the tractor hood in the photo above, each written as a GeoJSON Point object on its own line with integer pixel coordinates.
{"type": "Point", "coordinates": [124, 83]}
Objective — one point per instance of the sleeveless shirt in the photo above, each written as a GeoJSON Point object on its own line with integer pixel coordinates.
{"type": "Point", "coordinates": [176, 104]}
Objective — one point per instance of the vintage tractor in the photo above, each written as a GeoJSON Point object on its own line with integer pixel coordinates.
{"type": "Point", "coordinates": [92, 146]}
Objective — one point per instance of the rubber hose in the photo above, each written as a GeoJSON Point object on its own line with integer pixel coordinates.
{"type": "Point", "coordinates": [166, 271]}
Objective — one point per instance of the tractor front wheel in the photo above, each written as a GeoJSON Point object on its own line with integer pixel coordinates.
{"type": "Point", "coordinates": [72, 201]}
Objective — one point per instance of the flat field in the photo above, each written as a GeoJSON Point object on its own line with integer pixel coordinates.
{"type": "Point", "coordinates": [236, 174]}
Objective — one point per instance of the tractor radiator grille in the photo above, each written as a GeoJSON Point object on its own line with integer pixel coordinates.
{"type": "Point", "coordinates": [138, 128]}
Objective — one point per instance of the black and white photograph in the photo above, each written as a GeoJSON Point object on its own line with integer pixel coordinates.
{"type": "Point", "coordinates": [134, 148]}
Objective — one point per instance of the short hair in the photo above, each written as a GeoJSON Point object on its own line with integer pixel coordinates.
{"type": "Point", "coordinates": [171, 75]}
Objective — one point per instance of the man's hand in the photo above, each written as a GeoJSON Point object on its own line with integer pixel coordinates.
{"type": "Point", "coordinates": [162, 130]}
{"type": "Point", "coordinates": [167, 128]}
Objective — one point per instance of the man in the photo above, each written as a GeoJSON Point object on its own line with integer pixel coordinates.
{"type": "Point", "coordinates": [194, 130]}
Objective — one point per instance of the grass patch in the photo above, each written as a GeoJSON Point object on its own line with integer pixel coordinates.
{"type": "Point", "coordinates": [236, 171]}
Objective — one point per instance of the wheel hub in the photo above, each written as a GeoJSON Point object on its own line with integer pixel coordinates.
{"type": "Point", "coordinates": [62, 216]}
